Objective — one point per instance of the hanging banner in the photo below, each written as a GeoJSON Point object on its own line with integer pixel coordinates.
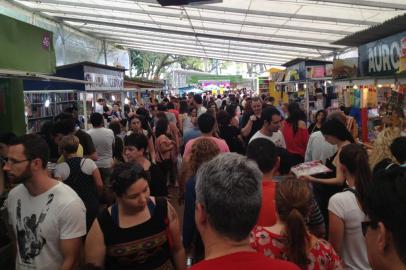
{"type": "Point", "coordinates": [383, 57]}
{"type": "Point", "coordinates": [103, 79]}
{"type": "Point", "coordinates": [345, 68]}
{"type": "Point", "coordinates": [25, 47]}
{"type": "Point", "coordinates": [314, 72]}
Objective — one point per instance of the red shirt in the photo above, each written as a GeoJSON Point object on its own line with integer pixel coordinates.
{"type": "Point", "coordinates": [244, 261]}
{"type": "Point", "coordinates": [321, 256]}
{"type": "Point", "coordinates": [267, 215]}
{"type": "Point", "coordinates": [295, 143]}
{"type": "Point", "coordinates": [176, 113]}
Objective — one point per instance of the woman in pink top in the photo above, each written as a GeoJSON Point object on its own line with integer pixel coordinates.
{"type": "Point", "coordinates": [295, 132]}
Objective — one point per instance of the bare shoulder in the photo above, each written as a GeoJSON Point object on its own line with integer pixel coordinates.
{"type": "Point", "coordinates": [302, 124]}
{"type": "Point", "coordinates": [172, 215]}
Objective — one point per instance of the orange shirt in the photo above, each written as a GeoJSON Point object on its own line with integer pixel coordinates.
{"type": "Point", "coordinates": [267, 215]}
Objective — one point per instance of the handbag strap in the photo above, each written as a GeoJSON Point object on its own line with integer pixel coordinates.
{"type": "Point", "coordinates": [75, 178]}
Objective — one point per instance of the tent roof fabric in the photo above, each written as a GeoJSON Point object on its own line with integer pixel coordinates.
{"type": "Point", "coordinates": [388, 28]}
{"type": "Point", "coordinates": [86, 63]}
{"type": "Point", "coordinates": [251, 31]}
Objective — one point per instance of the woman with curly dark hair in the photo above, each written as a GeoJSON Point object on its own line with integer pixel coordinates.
{"type": "Point", "coordinates": [319, 120]}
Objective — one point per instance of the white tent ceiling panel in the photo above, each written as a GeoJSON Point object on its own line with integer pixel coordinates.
{"type": "Point", "coordinates": [197, 54]}
{"type": "Point", "coordinates": [207, 49]}
{"type": "Point", "coordinates": [207, 43]}
{"type": "Point", "coordinates": [198, 20]}
{"type": "Point", "coordinates": [176, 38]}
{"type": "Point", "coordinates": [279, 28]}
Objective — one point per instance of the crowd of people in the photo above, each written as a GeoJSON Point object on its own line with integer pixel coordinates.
{"type": "Point", "coordinates": [107, 203]}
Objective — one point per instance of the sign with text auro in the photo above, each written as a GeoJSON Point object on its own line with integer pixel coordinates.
{"type": "Point", "coordinates": [383, 57]}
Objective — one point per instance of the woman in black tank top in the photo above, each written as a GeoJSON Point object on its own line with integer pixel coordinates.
{"type": "Point", "coordinates": [139, 231]}
{"type": "Point", "coordinates": [327, 184]}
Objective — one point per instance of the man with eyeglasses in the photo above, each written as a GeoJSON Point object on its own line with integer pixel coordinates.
{"type": "Point", "coordinates": [272, 121]}
{"type": "Point", "coordinates": [385, 230]}
{"type": "Point", "coordinates": [5, 186]}
{"type": "Point", "coordinates": [47, 217]}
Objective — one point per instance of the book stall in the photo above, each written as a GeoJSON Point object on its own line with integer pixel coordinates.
{"type": "Point", "coordinates": [376, 91]}
{"type": "Point", "coordinates": [307, 82]}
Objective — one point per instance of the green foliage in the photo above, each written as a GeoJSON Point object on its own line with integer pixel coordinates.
{"type": "Point", "coordinates": [151, 65]}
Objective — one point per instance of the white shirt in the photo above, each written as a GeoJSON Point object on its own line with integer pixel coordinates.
{"type": "Point", "coordinates": [40, 222]}
{"type": "Point", "coordinates": [318, 148]}
{"type": "Point", "coordinates": [218, 103]}
{"type": "Point", "coordinates": [277, 138]}
{"type": "Point", "coordinates": [103, 139]}
{"type": "Point", "coordinates": [354, 251]}
{"type": "Point", "coordinates": [145, 132]}
{"type": "Point", "coordinates": [201, 111]}
{"type": "Point", "coordinates": [62, 170]}
{"type": "Point", "coordinates": [99, 108]}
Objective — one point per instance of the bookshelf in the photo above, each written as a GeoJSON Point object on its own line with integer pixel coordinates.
{"type": "Point", "coordinates": [42, 106]}
{"type": "Point", "coordinates": [263, 85]}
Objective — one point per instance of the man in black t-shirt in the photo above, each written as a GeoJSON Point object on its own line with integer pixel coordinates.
{"type": "Point", "coordinates": [251, 121]}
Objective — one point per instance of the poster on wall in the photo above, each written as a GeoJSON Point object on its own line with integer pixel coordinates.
{"type": "Point", "coordinates": [357, 98]}
{"type": "Point", "coordinates": [103, 79]}
{"type": "Point", "coordinates": [329, 70]}
{"type": "Point", "coordinates": [386, 56]}
{"type": "Point", "coordinates": [345, 68]}
{"type": "Point", "coordinates": [314, 72]}
{"type": "Point", "coordinates": [292, 75]}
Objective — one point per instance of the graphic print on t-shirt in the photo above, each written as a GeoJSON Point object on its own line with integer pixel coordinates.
{"type": "Point", "coordinates": [30, 241]}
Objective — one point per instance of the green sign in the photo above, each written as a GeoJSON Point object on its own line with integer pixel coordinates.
{"type": "Point", "coordinates": [25, 47]}
{"type": "Point", "coordinates": [193, 79]}
{"type": "Point", "coordinates": [12, 106]}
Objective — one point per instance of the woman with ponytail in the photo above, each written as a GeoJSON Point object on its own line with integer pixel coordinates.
{"type": "Point", "coordinates": [289, 238]}
{"type": "Point", "coordinates": [327, 184]}
{"type": "Point", "coordinates": [345, 214]}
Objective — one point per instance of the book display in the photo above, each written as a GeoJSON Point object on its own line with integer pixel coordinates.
{"type": "Point", "coordinates": [310, 168]}
{"type": "Point", "coordinates": [263, 85]}
{"type": "Point", "coordinates": [42, 106]}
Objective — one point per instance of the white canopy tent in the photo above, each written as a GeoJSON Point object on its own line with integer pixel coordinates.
{"type": "Point", "coordinates": [255, 31]}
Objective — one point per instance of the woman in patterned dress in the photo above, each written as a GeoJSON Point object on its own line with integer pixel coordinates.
{"type": "Point", "coordinates": [289, 238]}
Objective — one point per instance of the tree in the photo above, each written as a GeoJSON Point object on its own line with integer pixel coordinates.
{"type": "Point", "coordinates": [151, 65]}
